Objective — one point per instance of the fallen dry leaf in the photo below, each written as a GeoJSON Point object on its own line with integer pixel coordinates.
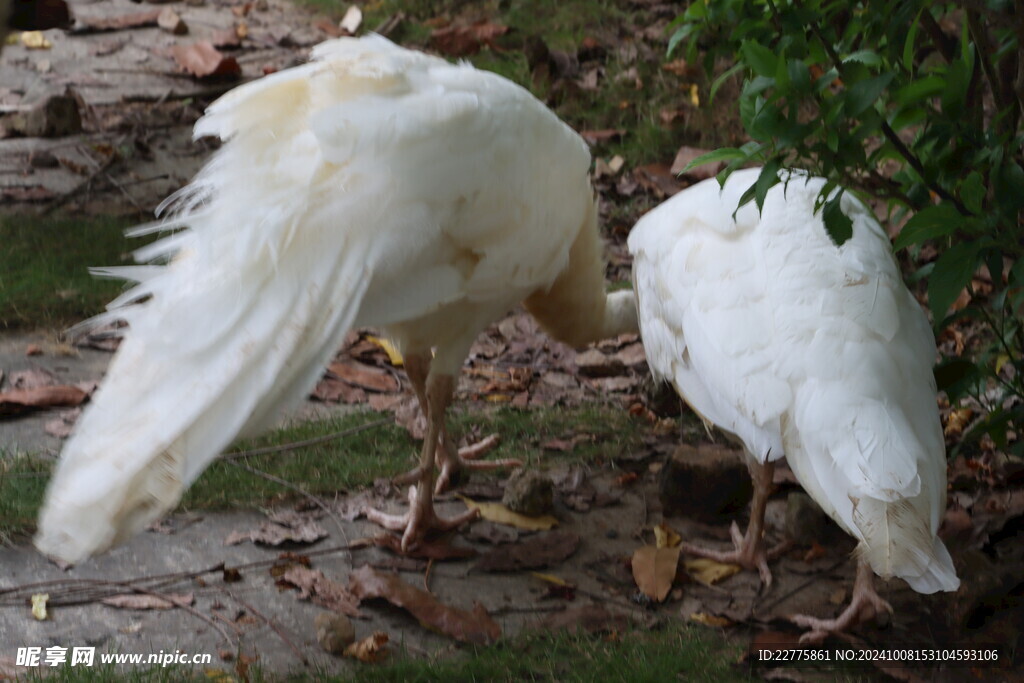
{"type": "Point", "coordinates": [709, 619]}
{"type": "Point", "coordinates": [476, 626]}
{"type": "Point", "coordinates": [594, 137]}
{"type": "Point", "coordinates": [956, 422]}
{"type": "Point", "coordinates": [170, 21]}
{"type": "Point", "coordinates": [496, 512]}
{"type": "Point", "coordinates": [461, 40]}
{"type": "Point", "coordinates": [313, 585]}
{"type": "Point", "coordinates": [658, 180]}
{"type": "Point", "coordinates": [365, 376]}
{"type": "Point", "coordinates": [371, 649]}
{"type": "Point", "coordinates": [709, 572]}
{"type": "Point", "coordinates": [146, 601]}
{"type": "Point", "coordinates": [35, 40]}
{"type": "Point", "coordinates": [394, 355]}
{"type": "Point", "coordinates": [352, 20]}
{"type": "Point", "coordinates": [666, 537]}
{"type": "Point", "coordinates": [20, 401]}
{"type": "Point", "coordinates": [687, 154]}
{"type": "Point", "coordinates": [534, 553]}
{"type": "Point", "coordinates": [39, 601]}
{"type": "Point", "coordinates": [62, 426]}
{"type": "Point", "coordinates": [331, 390]}
{"type": "Point", "coordinates": [272, 533]}
{"type": "Point", "coordinates": [203, 60]}
{"type": "Point", "coordinates": [654, 570]}
{"type": "Point", "coordinates": [32, 378]}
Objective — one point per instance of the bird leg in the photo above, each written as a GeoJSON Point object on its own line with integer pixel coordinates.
{"type": "Point", "coordinates": [421, 516]}
{"type": "Point", "coordinates": [865, 604]}
{"type": "Point", "coordinates": [750, 551]}
{"type": "Point", "coordinates": [447, 457]}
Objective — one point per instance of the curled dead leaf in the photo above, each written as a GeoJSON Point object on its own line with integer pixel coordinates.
{"type": "Point", "coordinates": [370, 649]}
{"type": "Point", "coordinates": [709, 572]}
{"type": "Point", "coordinates": [710, 619]}
{"type": "Point", "coordinates": [540, 551]}
{"type": "Point", "coordinates": [666, 537]}
{"type": "Point", "coordinates": [39, 601]}
{"type": "Point", "coordinates": [147, 601]}
{"type": "Point", "coordinates": [203, 60]}
{"type": "Point", "coordinates": [498, 513]}
{"type": "Point", "coordinates": [20, 401]}
{"type": "Point", "coordinates": [474, 626]}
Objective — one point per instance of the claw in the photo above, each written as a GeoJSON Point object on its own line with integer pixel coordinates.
{"type": "Point", "coordinates": [419, 520]}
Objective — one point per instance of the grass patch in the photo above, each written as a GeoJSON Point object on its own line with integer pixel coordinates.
{"type": "Point", "coordinates": [351, 461]}
{"type": "Point", "coordinates": [676, 651]}
{"type": "Point", "coordinates": [44, 281]}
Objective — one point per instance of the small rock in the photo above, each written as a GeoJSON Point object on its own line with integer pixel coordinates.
{"type": "Point", "coordinates": [334, 632]}
{"type": "Point", "coordinates": [530, 493]}
{"type": "Point", "coordinates": [708, 482]}
{"type": "Point", "coordinates": [172, 23]}
{"type": "Point", "coordinates": [807, 522]}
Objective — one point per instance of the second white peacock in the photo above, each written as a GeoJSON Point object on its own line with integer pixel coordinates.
{"type": "Point", "coordinates": [798, 347]}
{"type": "Point", "coordinates": [373, 186]}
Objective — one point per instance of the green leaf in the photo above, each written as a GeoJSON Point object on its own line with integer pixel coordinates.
{"type": "Point", "coordinates": [934, 221]}
{"type": "Point", "coordinates": [908, 44]}
{"type": "Point", "coordinates": [919, 90]}
{"type": "Point", "coordinates": [972, 192]}
{"type": "Point", "coordinates": [863, 94]}
{"type": "Point", "coordinates": [837, 224]}
{"type": "Point", "coordinates": [952, 273]}
{"type": "Point", "coordinates": [721, 154]}
{"type": "Point", "coordinates": [866, 57]}
{"type": "Point", "coordinates": [769, 178]}
{"type": "Point", "coordinates": [718, 82]}
{"type": "Point", "coordinates": [759, 58]}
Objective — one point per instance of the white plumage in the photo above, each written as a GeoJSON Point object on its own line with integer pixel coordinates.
{"type": "Point", "coordinates": [373, 186]}
{"type": "Point", "coordinates": [801, 348]}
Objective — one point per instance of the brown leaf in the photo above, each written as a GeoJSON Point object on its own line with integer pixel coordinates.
{"type": "Point", "coordinates": [227, 38]}
{"type": "Point", "coordinates": [469, 627]}
{"type": "Point", "coordinates": [593, 363]}
{"type": "Point", "coordinates": [590, 618]}
{"type": "Point", "coordinates": [709, 572]}
{"type": "Point", "coordinates": [271, 533]}
{"type": "Point", "coordinates": [203, 60]}
{"type": "Point", "coordinates": [687, 154]}
{"type": "Point", "coordinates": [371, 649]}
{"type": "Point", "coordinates": [331, 390]}
{"type": "Point", "coordinates": [61, 426]}
{"type": "Point", "coordinates": [365, 376]}
{"type": "Point", "coordinates": [654, 570]}
{"type": "Point", "coordinates": [32, 378]}
{"type": "Point", "coordinates": [119, 22]}
{"type": "Point", "coordinates": [20, 401]}
{"type": "Point", "coordinates": [313, 585]}
{"type": "Point", "coordinates": [146, 601]}
{"type": "Point", "coordinates": [461, 40]}
{"type": "Point", "coordinates": [540, 551]}
{"type": "Point", "coordinates": [594, 137]}
{"type": "Point", "coordinates": [427, 549]}
{"type": "Point", "coordinates": [658, 179]}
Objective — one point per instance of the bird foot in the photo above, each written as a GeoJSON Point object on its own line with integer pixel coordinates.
{"type": "Point", "coordinates": [467, 459]}
{"type": "Point", "coordinates": [420, 520]}
{"type": "Point", "coordinates": [750, 553]}
{"type": "Point", "coordinates": [865, 604]}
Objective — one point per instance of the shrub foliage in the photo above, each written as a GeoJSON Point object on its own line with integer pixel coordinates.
{"type": "Point", "coordinates": [915, 102]}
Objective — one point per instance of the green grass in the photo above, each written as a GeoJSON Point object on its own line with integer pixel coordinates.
{"type": "Point", "coordinates": [44, 278]}
{"type": "Point", "coordinates": [676, 651]}
{"type": "Point", "coordinates": [351, 461]}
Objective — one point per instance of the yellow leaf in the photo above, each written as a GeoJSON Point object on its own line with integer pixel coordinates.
{"type": "Point", "coordinates": [497, 398]}
{"type": "Point", "coordinates": [35, 40]}
{"type": "Point", "coordinates": [666, 537]}
{"type": "Point", "coordinates": [694, 97]}
{"type": "Point", "coordinates": [39, 606]}
{"type": "Point", "coordinates": [709, 572]}
{"type": "Point", "coordinates": [709, 619]}
{"type": "Point", "coordinates": [1001, 360]}
{"type": "Point", "coordinates": [219, 675]}
{"type": "Point", "coordinates": [394, 355]}
{"type": "Point", "coordinates": [370, 649]}
{"type": "Point", "coordinates": [498, 513]}
{"type": "Point", "coordinates": [654, 570]}
{"type": "Point", "coordinates": [551, 578]}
